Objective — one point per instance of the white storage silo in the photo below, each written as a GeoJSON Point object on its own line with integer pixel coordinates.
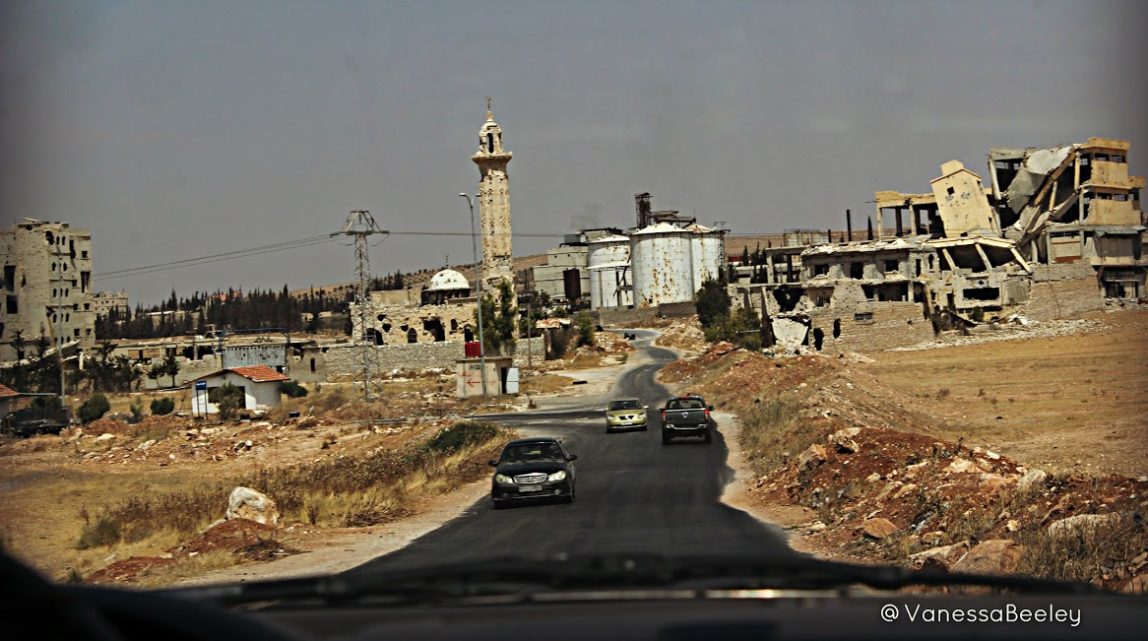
{"type": "Point", "coordinates": [707, 254]}
{"type": "Point", "coordinates": [609, 265]}
{"type": "Point", "coordinates": [661, 265]}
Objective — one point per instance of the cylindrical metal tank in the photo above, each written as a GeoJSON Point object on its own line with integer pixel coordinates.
{"type": "Point", "coordinates": [608, 259]}
{"type": "Point", "coordinates": [707, 254]}
{"type": "Point", "coordinates": [661, 264]}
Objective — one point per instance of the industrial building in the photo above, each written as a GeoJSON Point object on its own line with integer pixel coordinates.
{"type": "Point", "coordinates": [47, 282]}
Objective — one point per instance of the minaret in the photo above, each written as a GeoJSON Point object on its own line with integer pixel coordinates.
{"type": "Point", "coordinates": [494, 203]}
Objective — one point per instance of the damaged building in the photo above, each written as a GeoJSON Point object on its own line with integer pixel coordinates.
{"type": "Point", "coordinates": [445, 315]}
{"type": "Point", "coordinates": [1075, 204]}
{"type": "Point", "coordinates": [47, 288]}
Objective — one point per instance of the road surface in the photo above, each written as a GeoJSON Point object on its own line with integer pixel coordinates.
{"type": "Point", "coordinates": [634, 494]}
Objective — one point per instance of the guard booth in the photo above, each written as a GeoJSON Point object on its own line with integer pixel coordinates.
{"type": "Point", "coordinates": [499, 369]}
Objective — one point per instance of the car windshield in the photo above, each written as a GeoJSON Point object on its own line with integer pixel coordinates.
{"type": "Point", "coordinates": [685, 404]}
{"type": "Point", "coordinates": [531, 452]}
{"type": "Point", "coordinates": [294, 287]}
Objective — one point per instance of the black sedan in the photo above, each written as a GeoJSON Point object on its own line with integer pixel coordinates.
{"type": "Point", "coordinates": [533, 468]}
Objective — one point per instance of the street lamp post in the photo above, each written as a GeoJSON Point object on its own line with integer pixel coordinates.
{"type": "Point", "coordinates": [478, 290]}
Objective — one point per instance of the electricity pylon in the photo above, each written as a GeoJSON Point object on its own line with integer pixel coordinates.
{"type": "Point", "coordinates": [361, 226]}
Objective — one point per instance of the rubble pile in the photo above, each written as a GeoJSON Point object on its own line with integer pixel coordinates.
{"type": "Point", "coordinates": [682, 333]}
{"type": "Point", "coordinates": [243, 538]}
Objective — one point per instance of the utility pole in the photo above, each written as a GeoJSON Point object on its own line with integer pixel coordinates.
{"type": "Point", "coordinates": [478, 275]}
{"type": "Point", "coordinates": [361, 226]}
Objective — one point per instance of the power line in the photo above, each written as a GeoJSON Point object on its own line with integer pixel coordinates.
{"type": "Point", "coordinates": [310, 241]}
{"type": "Point", "coordinates": [238, 253]}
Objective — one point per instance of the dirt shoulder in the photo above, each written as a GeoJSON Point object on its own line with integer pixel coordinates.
{"type": "Point", "coordinates": [864, 457]}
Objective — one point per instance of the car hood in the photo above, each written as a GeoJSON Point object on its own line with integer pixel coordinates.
{"type": "Point", "coordinates": [522, 468]}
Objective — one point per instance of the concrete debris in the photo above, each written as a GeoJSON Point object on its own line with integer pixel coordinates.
{"type": "Point", "coordinates": [942, 557]}
{"type": "Point", "coordinates": [961, 466]}
{"type": "Point", "coordinates": [1032, 479]}
{"type": "Point", "coordinates": [246, 503]}
{"type": "Point", "coordinates": [1081, 525]}
{"type": "Point", "coordinates": [813, 455]}
{"type": "Point", "coordinates": [995, 556]}
{"type": "Point", "coordinates": [844, 440]}
{"type": "Point", "coordinates": [878, 528]}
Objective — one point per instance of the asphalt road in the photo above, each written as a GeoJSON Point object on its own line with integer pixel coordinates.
{"type": "Point", "coordinates": [634, 494]}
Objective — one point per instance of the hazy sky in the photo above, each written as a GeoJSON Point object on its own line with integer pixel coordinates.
{"type": "Point", "coordinates": [181, 129]}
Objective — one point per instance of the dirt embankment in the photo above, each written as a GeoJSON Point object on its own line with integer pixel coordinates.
{"type": "Point", "coordinates": [898, 458]}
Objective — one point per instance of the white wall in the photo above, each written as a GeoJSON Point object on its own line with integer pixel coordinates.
{"type": "Point", "coordinates": [255, 395]}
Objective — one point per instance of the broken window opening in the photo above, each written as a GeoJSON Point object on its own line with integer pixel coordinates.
{"type": "Point", "coordinates": [453, 325]}
{"type": "Point", "coordinates": [950, 191]}
{"type": "Point", "coordinates": [373, 336]}
{"type": "Point", "coordinates": [821, 270]}
{"type": "Point", "coordinates": [312, 364]}
{"type": "Point", "coordinates": [787, 298]}
{"type": "Point", "coordinates": [412, 336]}
{"type": "Point", "coordinates": [468, 334]}
{"type": "Point", "coordinates": [869, 290]}
{"type": "Point", "coordinates": [863, 317]}
{"type": "Point", "coordinates": [1085, 168]}
{"type": "Point", "coordinates": [836, 328]}
{"type": "Point", "coordinates": [434, 327]}
{"type": "Point", "coordinates": [818, 338]}
{"type": "Point", "coordinates": [981, 293]}
{"type": "Point", "coordinates": [857, 270]}
{"type": "Point", "coordinates": [490, 143]}
{"type": "Point", "coordinates": [892, 266]}
{"type": "Point", "coordinates": [10, 277]}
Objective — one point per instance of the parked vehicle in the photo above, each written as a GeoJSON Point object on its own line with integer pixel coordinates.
{"type": "Point", "coordinates": [686, 416]}
{"type": "Point", "coordinates": [624, 413]}
{"type": "Point", "coordinates": [533, 468]}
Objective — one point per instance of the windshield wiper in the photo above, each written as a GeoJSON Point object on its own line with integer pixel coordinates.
{"type": "Point", "coordinates": [525, 576]}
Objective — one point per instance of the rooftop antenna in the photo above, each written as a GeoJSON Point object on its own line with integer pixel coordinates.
{"type": "Point", "coordinates": [361, 226]}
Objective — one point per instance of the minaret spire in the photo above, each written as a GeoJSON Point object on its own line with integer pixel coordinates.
{"type": "Point", "coordinates": [494, 202]}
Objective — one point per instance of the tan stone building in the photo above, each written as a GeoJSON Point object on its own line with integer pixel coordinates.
{"type": "Point", "coordinates": [105, 302]}
{"type": "Point", "coordinates": [47, 281]}
{"type": "Point", "coordinates": [494, 203]}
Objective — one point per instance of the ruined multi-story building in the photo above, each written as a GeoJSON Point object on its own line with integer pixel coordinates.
{"type": "Point", "coordinates": [105, 303]}
{"type": "Point", "coordinates": [1075, 204]}
{"type": "Point", "coordinates": [47, 283]}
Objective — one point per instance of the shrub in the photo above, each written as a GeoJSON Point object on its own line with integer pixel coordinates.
{"type": "Point", "coordinates": [136, 409]}
{"type": "Point", "coordinates": [460, 435]}
{"type": "Point", "coordinates": [162, 406]}
{"type": "Point", "coordinates": [292, 389]}
{"type": "Point", "coordinates": [104, 531]}
{"type": "Point", "coordinates": [95, 407]}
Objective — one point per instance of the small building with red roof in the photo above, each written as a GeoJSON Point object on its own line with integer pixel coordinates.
{"type": "Point", "coordinates": [260, 384]}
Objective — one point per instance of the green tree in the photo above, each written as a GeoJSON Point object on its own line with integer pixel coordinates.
{"type": "Point", "coordinates": [95, 407]}
{"type": "Point", "coordinates": [171, 367]}
{"type": "Point", "coordinates": [585, 324]}
{"type": "Point", "coordinates": [499, 320]}
{"type": "Point", "coordinates": [712, 303]}
{"type": "Point", "coordinates": [228, 398]}
{"type": "Point", "coordinates": [162, 406]}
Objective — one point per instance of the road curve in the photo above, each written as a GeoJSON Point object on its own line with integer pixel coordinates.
{"type": "Point", "coordinates": [634, 494]}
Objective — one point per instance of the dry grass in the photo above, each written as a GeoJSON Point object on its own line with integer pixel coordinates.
{"type": "Point", "coordinates": [340, 492]}
{"type": "Point", "coordinates": [1071, 402]}
{"type": "Point", "coordinates": [768, 433]}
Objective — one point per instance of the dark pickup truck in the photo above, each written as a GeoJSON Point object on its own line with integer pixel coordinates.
{"type": "Point", "coordinates": [686, 416]}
